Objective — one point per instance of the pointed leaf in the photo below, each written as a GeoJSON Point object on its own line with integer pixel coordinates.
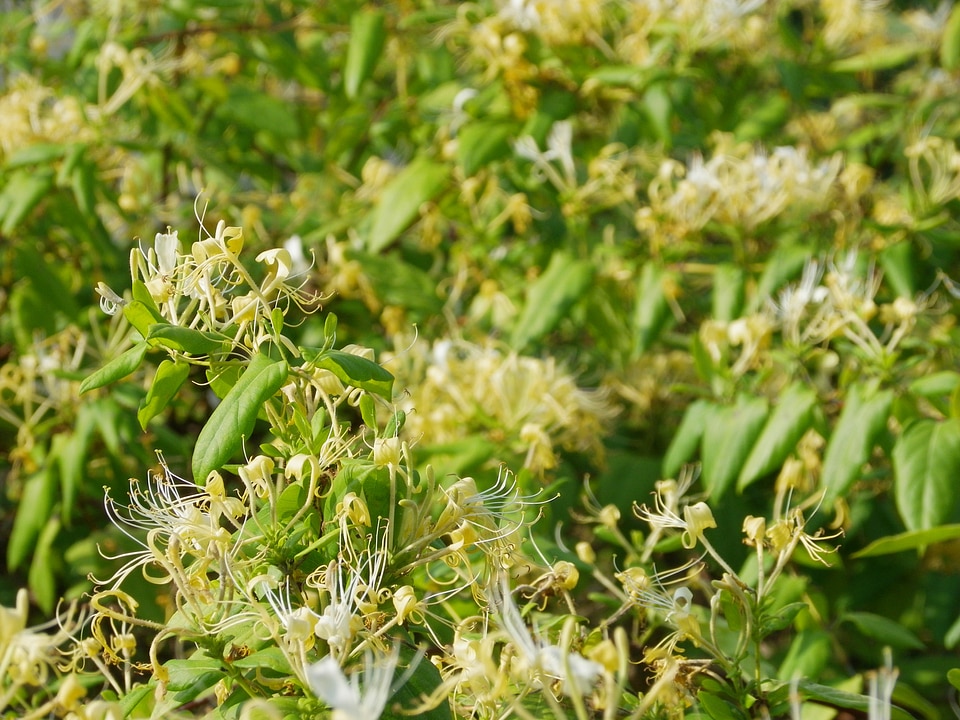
{"type": "Point", "coordinates": [233, 419]}
{"type": "Point", "coordinates": [687, 438]}
{"type": "Point", "coordinates": [786, 425]}
{"type": "Point", "coordinates": [367, 35]}
{"type": "Point", "coordinates": [401, 199]}
{"type": "Point", "coordinates": [926, 466]}
{"type": "Point", "coordinates": [651, 310]}
{"type": "Point", "coordinates": [353, 370]}
{"type": "Point", "coordinates": [23, 192]}
{"type": "Point", "coordinates": [183, 339]}
{"type": "Point", "coordinates": [729, 436]}
{"type": "Point", "coordinates": [482, 142]}
{"type": "Point", "coordinates": [551, 297]}
{"type": "Point", "coordinates": [909, 540]}
{"type": "Point", "coordinates": [118, 368]}
{"type": "Point", "coordinates": [884, 630]}
{"type": "Point", "coordinates": [168, 379]}
{"type": "Point", "coordinates": [33, 510]}
{"type": "Point", "coordinates": [862, 420]}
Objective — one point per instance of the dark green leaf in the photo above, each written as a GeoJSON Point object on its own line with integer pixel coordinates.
{"type": "Point", "coordinates": [118, 368]}
{"type": "Point", "coordinates": [718, 708]}
{"type": "Point", "coordinates": [192, 677]}
{"type": "Point", "coordinates": [836, 698]}
{"type": "Point", "coordinates": [419, 182]}
{"type": "Point", "coordinates": [422, 683]}
{"type": "Point", "coordinates": [884, 630]}
{"type": "Point", "coordinates": [233, 419]}
{"type": "Point", "coordinates": [926, 465]}
{"type": "Point", "coordinates": [168, 379]}
{"type": "Point", "coordinates": [786, 425]}
{"type": "Point", "coordinates": [550, 298]}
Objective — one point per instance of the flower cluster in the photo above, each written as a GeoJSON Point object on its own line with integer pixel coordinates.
{"type": "Point", "coordinates": [528, 405]}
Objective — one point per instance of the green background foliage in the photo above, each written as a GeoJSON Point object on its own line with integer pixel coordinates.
{"type": "Point", "coordinates": [388, 138]}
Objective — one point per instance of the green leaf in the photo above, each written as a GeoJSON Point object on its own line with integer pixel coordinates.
{"type": "Point", "coordinates": [353, 370]}
{"type": "Point", "coordinates": [70, 451]}
{"type": "Point", "coordinates": [728, 437]}
{"type": "Point", "coordinates": [367, 35]}
{"type": "Point", "coordinates": [926, 466]}
{"type": "Point", "coordinates": [168, 379]}
{"type": "Point", "coordinates": [842, 699]}
{"type": "Point", "coordinates": [42, 576]}
{"type": "Point", "coordinates": [950, 43]}
{"type": "Point", "coordinates": [35, 154]}
{"type": "Point", "coordinates": [884, 630]}
{"type": "Point", "coordinates": [953, 677]}
{"type": "Point", "coordinates": [141, 316]}
{"type": "Point", "coordinates": [786, 425]}
{"type": "Point", "coordinates": [882, 58]}
{"type": "Point", "coordinates": [717, 708]}
{"type": "Point", "coordinates": [233, 419]}
{"type": "Point", "coordinates": [687, 437]}
{"type": "Point", "coordinates": [422, 682]}
{"type": "Point", "coordinates": [118, 368]}
{"type": "Point", "coordinates": [939, 383]}
{"type": "Point", "coordinates": [188, 340]}
{"type": "Point", "coordinates": [419, 182]}
{"type": "Point", "coordinates": [258, 111]}
{"type": "Point", "coordinates": [909, 540]}
{"type": "Point", "coordinates": [482, 142]}
{"type": "Point", "coordinates": [270, 658]}
{"type": "Point", "coordinates": [727, 292]}
{"type": "Point", "coordinates": [897, 262]}
{"type": "Point", "coordinates": [784, 264]}
{"type": "Point", "coordinates": [192, 677]}
{"type": "Point", "coordinates": [862, 420]}
{"type": "Point", "coordinates": [651, 310]}
{"type": "Point", "coordinates": [810, 651]}
{"type": "Point", "coordinates": [23, 192]}
{"type": "Point", "coordinates": [551, 297]}
{"type": "Point", "coordinates": [33, 510]}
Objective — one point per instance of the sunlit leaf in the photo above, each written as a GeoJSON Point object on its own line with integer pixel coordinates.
{"type": "Point", "coordinates": [367, 35]}
{"type": "Point", "coordinates": [550, 298]}
{"type": "Point", "coordinates": [728, 438]}
{"type": "Point", "coordinates": [231, 423]}
{"type": "Point", "coordinates": [926, 464]}
{"type": "Point", "coordinates": [167, 381]}
{"type": "Point", "coordinates": [400, 201]}
{"type": "Point", "coordinates": [118, 368]}
{"type": "Point", "coordinates": [783, 430]}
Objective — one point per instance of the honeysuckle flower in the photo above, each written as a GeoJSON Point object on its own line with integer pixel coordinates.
{"type": "Point", "coordinates": [362, 696]}
{"type": "Point", "coordinates": [576, 673]}
{"type": "Point", "coordinates": [110, 302]}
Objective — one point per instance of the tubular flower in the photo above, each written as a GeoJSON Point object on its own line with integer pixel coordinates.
{"type": "Point", "coordinates": [350, 698]}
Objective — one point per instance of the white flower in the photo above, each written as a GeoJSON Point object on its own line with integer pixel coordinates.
{"type": "Point", "coordinates": [576, 673]}
{"type": "Point", "coordinates": [349, 698]}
